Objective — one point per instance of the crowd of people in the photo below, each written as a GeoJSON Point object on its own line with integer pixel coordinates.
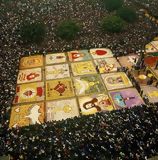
{"type": "Point", "coordinates": [121, 134]}
{"type": "Point", "coordinates": [86, 13]}
{"type": "Point", "coordinates": [89, 15]}
{"type": "Point", "coordinates": [151, 6]}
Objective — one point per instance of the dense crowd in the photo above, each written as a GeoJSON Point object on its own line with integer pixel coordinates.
{"type": "Point", "coordinates": [88, 14]}
{"type": "Point", "coordinates": [122, 134]}
{"type": "Point", "coordinates": [151, 6]}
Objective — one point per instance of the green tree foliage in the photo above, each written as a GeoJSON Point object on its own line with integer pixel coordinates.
{"type": "Point", "coordinates": [33, 32]}
{"type": "Point", "coordinates": [127, 14]}
{"type": "Point", "coordinates": [112, 24]}
{"type": "Point", "coordinates": [113, 4]}
{"type": "Point", "coordinates": [67, 30]}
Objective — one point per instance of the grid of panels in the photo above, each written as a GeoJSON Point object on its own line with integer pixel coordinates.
{"type": "Point", "coordinates": [63, 85]}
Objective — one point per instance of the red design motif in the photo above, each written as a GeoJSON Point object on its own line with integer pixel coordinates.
{"type": "Point", "coordinates": [101, 52]}
{"type": "Point", "coordinates": [60, 88]}
{"type": "Point", "coordinates": [17, 89]}
{"type": "Point", "coordinates": [39, 91]}
{"type": "Point", "coordinates": [76, 55]}
{"type": "Point", "coordinates": [32, 76]}
{"type": "Point", "coordinates": [16, 99]}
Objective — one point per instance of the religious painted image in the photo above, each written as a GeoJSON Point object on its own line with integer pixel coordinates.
{"type": "Point", "coordinates": [24, 115]}
{"type": "Point", "coordinates": [81, 55]}
{"type": "Point", "coordinates": [82, 68]}
{"type": "Point", "coordinates": [88, 85]}
{"type": "Point", "coordinates": [129, 61]}
{"type": "Point", "coordinates": [152, 47]}
{"type": "Point", "coordinates": [61, 109]}
{"type": "Point", "coordinates": [29, 92]}
{"type": "Point", "coordinates": [107, 65]}
{"type": "Point", "coordinates": [29, 75]}
{"type": "Point", "coordinates": [58, 89]}
{"type": "Point", "coordinates": [126, 98]}
{"type": "Point", "coordinates": [55, 58]}
{"type": "Point", "coordinates": [57, 71]}
{"type": "Point", "coordinates": [31, 62]}
{"type": "Point", "coordinates": [95, 103]}
{"type": "Point", "coordinates": [116, 80]}
{"type": "Point", "coordinates": [151, 92]}
{"type": "Point", "coordinates": [101, 53]}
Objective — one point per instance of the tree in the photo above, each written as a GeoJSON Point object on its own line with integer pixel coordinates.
{"type": "Point", "coordinates": [113, 4]}
{"type": "Point", "coordinates": [67, 30]}
{"type": "Point", "coordinates": [127, 14]}
{"type": "Point", "coordinates": [112, 24]}
{"type": "Point", "coordinates": [33, 32]}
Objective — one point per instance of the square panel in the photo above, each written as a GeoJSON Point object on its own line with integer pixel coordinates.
{"type": "Point", "coordinates": [101, 53]}
{"type": "Point", "coordinates": [151, 47]}
{"type": "Point", "coordinates": [151, 92]}
{"type": "Point", "coordinates": [95, 103]}
{"type": "Point", "coordinates": [116, 80]}
{"type": "Point", "coordinates": [88, 85]}
{"type": "Point", "coordinates": [126, 98]}
{"type": "Point", "coordinates": [57, 71]}
{"type": "Point", "coordinates": [57, 89]}
{"type": "Point", "coordinates": [106, 65]}
{"type": "Point", "coordinates": [81, 55]}
{"type": "Point", "coordinates": [31, 62]}
{"type": "Point", "coordinates": [29, 92]}
{"type": "Point", "coordinates": [128, 61]}
{"type": "Point", "coordinates": [82, 68]}
{"type": "Point", "coordinates": [55, 58]}
{"type": "Point", "coordinates": [24, 115]}
{"type": "Point", "coordinates": [61, 109]}
{"type": "Point", "coordinates": [29, 75]}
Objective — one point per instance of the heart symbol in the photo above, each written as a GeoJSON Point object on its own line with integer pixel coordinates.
{"type": "Point", "coordinates": [101, 52]}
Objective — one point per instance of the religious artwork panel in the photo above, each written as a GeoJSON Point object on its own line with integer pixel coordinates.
{"type": "Point", "coordinates": [29, 92]}
{"type": "Point", "coordinates": [95, 103]}
{"type": "Point", "coordinates": [81, 55]}
{"type": "Point", "coordinates": [29, 75]}
{"type": "Point", "coordinates": [128, 61]}
{"type": "Point", "coordinates": [106, 65]}
{"type": "Point", "coordinates": [24, 115]}
{"type": "Point", "coordinates": [116, 80]}
{"type": "Point", "coordinates": [101, 53]}
{"type": "Point", "coordinates": [61, 109]}
{"type": "Point", "coordinates": [55, 58]}
{"type": "Point", "coordinates": [58, 89]}
{"type": "Point", "coordinates": [151, 47]}
{"type": "Point", "coordinates": [82, 68]}
{"type": "Point", "coordinates": [57, 71]}
{"type": "Point", "coordinates": [31, 62]}
{"type": "Point", "coordinates": [126, 98]}
{"type": "Point", "coordinates": [151, 92]}
{"type": "Point", "coordinates": [88, 85]}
